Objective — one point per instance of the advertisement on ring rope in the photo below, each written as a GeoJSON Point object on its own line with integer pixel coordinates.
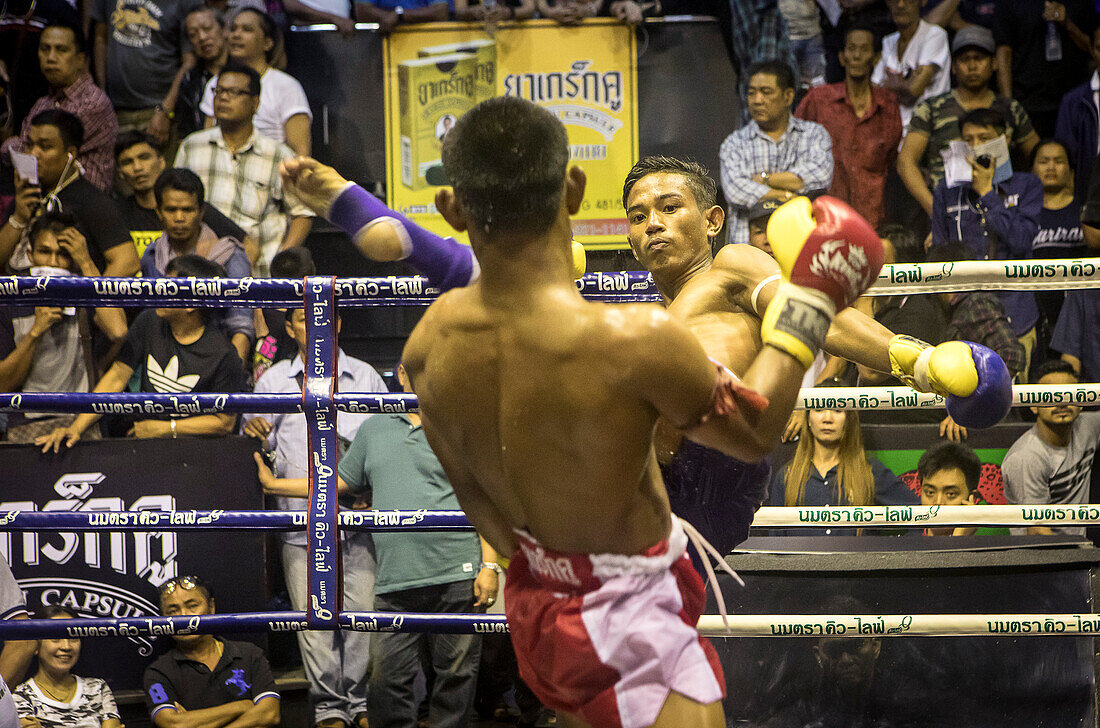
{"type": "Point", "coordinates": [586, 75]}
{"type": "Point", "coordinates": [100, 574]}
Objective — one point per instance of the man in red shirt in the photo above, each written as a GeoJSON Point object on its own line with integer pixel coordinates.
{"type": "Point", "coordinates": [864, 122]}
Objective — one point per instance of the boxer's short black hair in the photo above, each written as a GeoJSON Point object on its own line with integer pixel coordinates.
{"type": "Point", "coordinates": [506, 159]}
{"type": "Point", "coordinates": [698, 179]}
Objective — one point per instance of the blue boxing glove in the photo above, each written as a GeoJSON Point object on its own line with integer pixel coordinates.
{"type": "Point", "coordinates": [972, 377]}
{"type": "Point", "coordinates": [992, 397]}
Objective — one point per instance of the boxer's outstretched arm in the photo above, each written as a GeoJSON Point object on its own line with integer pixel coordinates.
{"type": "Point", "coordinates": [378, 232]}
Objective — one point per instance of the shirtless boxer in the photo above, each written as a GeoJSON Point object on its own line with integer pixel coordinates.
{"type": "Point", "coordinates": [722, 298]}
{"type": "Point", "coordinates": [541, 407]}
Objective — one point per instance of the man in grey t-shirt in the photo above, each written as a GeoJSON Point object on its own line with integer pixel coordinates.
{"type": "Point", "coordinates": [1052, 462]}
{"type": "Point", "coordinates": [139, 46]}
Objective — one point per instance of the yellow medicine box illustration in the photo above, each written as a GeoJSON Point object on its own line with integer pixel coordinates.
{"type": "Point", "coordinates": [485, 54]}
{"type": "Point", "coordinates": [432, 92]}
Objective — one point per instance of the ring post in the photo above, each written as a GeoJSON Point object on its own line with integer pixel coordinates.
{"type": "Point", "coordinates": [318, 388]}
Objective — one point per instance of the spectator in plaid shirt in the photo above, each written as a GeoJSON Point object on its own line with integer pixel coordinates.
{"type": "Point", "coordinates": [64, 62]}
{"type": "Point", "coordinates": [775, 155]}
{"type": "Point", "coordinates": [976, 316]}
{"type": "Point", "coordinates": [239, 168]}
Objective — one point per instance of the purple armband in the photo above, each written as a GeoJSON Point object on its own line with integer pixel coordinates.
{"type": "Point", "coordinates": [445, 262]}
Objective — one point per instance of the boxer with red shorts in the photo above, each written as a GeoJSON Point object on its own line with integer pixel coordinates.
{"type": "Point", "coordinates": [541, 408]}
{"type": "Point", "coordinates": [563, 612]}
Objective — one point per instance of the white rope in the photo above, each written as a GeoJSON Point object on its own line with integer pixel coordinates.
{"type": "Point", "coordinates": [898, 398]}
{"type": "Point", "coordinates": [923, 516]}
{"type": "Point", "coordinates": [899, 625]}
{"type": "Point", "coordinates": [987, 275]}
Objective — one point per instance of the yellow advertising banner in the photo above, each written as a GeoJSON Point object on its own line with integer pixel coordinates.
{"type": "Point", "coordinates": [585, 75]}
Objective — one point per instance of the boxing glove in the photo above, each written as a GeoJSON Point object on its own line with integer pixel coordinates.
{"type": "Point", "coordinates": [828, 256]}
{"type": "Point", "coordinates": [974, 380]}
{"type": "Point", "coordinates": [580, 260]}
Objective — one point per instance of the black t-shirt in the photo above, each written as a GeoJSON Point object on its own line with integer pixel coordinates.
{"type": "Point", "coordinates": [210, 364]}
{"type": "Point", "coordinates": [189, 117]}
{"type": "Point", "coordinates": [242, 673]}
{"type": "Point", "coordinates": [145, 227]}
{"type": "Point", "coordinates": [1039, 84]}
{"type": "Point", "coordinates": [1059, 234]}
{"type": "Point", "coordinates": [98, 217]}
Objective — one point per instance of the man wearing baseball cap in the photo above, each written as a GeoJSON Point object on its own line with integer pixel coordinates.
{"type": "Point", "coordinates": [935, 122]}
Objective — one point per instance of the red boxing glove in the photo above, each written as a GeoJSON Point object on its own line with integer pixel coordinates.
{"type": "Point", "coordinates": [827, 247]}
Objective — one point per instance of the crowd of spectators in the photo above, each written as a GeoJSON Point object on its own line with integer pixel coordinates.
{"type": "Point", "coordinates": [962, 131]}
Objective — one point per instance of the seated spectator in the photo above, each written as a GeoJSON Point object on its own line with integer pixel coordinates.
{"type": "Point", "coordinates": [46, 348]}
{"type": "Point", "coordinates": [55, 697]}
{"type": "Point", "coordinates": [776, 155]}
{"type": "Point", "coordinates": [234, 156]}
{"type": "Point", "coordinates": [568, 12]}
{"type": "Point", "coordinates": [206, 680]}
{"type": "Point", "coordinates": [179, 194]}
{"type": "Point", "coordinates": [1052, 462]}
{"type": "Point", "coordinates": [1077, 123]}
{"type": "Point", "coordinates": [274, 342]}
{"type": "Point", "coordinates": [1075, 333]}
{"type": "Point", "coordinates": [935, 121]}
{"type": "Point", "coordinates": [864, 123]}
{"type": "Point", "coordinates": [283, 113]}
{"type": "Point", "coordinates": [54, 139]}
{"type": "Point", "coordinates": [391, 462]}
{"type": "Point", "coordinates": [804, 30]}
{"type": "Point", "coordinates": [490, 13]}
{"type": "Point", "coordinates": [63, 57]}
{"type": "Point", "coordinates": [977, 316]}
{"type": "Point", "coordinates": [140, 162]}
{"type": "Point", "coordinates": [914, 61]}
{"type": "Point", "coordinates": [206, 31]}
{"type": "Point", "coordinates": [831, 468]}
{"type": "Point", "coordinates": [336, 664]}
{"type": "Point", "coordinates": [1060, 234]}
{"type": "Point", "coordinates": [176, 351]}
{"type": "Point", "coordinates": [995, 221]}
{"type": "Point", "coordinates": [949, 475]}
{"type": "Point", "coordinates": [921, 316]}
{"type": "Point", "coordinates": [1034, 72]}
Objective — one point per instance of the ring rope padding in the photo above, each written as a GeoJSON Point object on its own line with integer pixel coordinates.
{"type": "Point", "coordinates": [1087, 514]}
{"type": "Point", "coordinates": [620, 286]}
{"type": "Point", "coordinates": [148, 403]}
{"type": "Point", "coordinates": [710, 625]}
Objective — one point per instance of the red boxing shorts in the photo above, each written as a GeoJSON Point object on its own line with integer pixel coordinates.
{"type": "Point", "coordinates": [607, 636]}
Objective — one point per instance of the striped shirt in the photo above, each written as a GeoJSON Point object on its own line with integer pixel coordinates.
{"type": "Point", "coordinates": [1037, 473]}
{"type": "Point", "coordinates": [245, 185]}
{"type": "Point", "coordinates": [805, 149]}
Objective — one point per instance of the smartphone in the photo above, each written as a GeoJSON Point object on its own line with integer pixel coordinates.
{"type": "Point", "coordinates": [26, 166]}
{"type": "Point", "coordinates": [984, 160]}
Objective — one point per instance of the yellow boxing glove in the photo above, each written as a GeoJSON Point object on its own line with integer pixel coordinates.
{"type": "Point", "coordinates": [580, 261]}
{"type": "Point", "coordinates": [947, 369]}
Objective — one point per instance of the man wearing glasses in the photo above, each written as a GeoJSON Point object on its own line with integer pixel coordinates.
{"type": "Point", "coordinates": [205, 680]}
{"type": "Point", "coordinates": [239, 167]}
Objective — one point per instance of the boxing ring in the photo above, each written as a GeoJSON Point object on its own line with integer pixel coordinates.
{"type": "Point", "coordinates": [321, 404]}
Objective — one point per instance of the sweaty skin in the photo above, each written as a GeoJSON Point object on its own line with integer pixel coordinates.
{"type": "Point", "coordinates": [541, 406]}
{"type": "Point", "coordinates": [712, 295]}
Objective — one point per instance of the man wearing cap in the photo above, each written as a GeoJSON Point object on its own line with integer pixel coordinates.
{"type": "Point", "coordinates": [935, 122]}
{"type": "Point", "coordinates": [864, 123]}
